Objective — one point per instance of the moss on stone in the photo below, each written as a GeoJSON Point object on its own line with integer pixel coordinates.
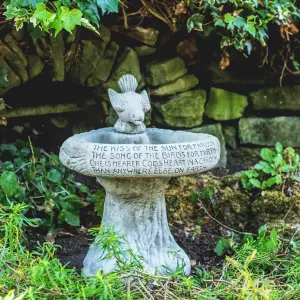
{"type": "Point", "coordinates": [266, 132]}
{"type": "Point", "coordinates": [279, 98]}
{"type": "Point", "coordinates": [184, 110]}
{"type": "Point", "coordinates": [230, 136]}
{"type": "Point", "coordinates": [163, 72]}
{"type": "Point", "coordinates": [182, 84]}
{"type": "Point", "coordinates": [223, 105]}
{"type": "Point", "coordinates": [128, 64]}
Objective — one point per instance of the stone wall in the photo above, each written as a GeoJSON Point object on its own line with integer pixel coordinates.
{"type": "Point", "coordinates": [187, 88]}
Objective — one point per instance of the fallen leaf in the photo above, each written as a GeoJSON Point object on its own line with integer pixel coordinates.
{"type": "Point", "coordinates": [225, 61]}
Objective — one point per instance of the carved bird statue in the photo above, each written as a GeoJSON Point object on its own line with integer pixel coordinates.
{"type": "Point", "coordinates": [129, 105]}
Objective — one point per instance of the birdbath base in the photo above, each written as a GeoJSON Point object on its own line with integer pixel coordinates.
{"type": "Point", "coordinates": [135, 208]}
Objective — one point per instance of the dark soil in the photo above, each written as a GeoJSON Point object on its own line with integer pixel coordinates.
{"type": "Point", "coordinates": [73, 244]}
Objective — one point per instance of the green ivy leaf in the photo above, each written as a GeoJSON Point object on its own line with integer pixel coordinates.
{"type": "Point", "coordinates": [9, 183]}
{"type": "Point", "coordinates": [249, 27]}
{"type": "Point", "coordinates": [54, 176]}
{"type": "Point", "coordinates": [70, 18]}
{"type": "Point", "coordinates": [195, 22]}
{"type": "Point", "coordinates": [220, 22]}
{"type": "Point", "coordinates": [108, 6]}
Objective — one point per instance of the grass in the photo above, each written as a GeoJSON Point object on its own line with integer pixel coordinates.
{"type": "Point", "coordinates": [261, 267]}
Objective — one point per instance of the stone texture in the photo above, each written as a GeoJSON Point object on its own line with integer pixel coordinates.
{"type": "Point", "coordinates": [163, 72]}
{"type": "Point", "coordinates": [184, 110]}
{"type": "Point", "coordinates": [183, 84]}
{"type": "Point", "coordinates": [128, 63]}
{"type": "Point", "coordinates": [230, 136]}
{"type": "Point", "coordinates": [215, 130]}
{"type": "Point", "coordinates": [286, 98]}
{"type": "Point", "coordinates": [13, 79]}
{"type": "Point", "coordinates": [148, 36]}
{"type": "Point", "coordinates": [104, 33]}
{"type": "Point", "coordinates": [104, 66]}
{"type": "Point", "coordinates": [57, 45]}
{"type": "Point", "coordinates": [223, 105]}
{"type": "Point", "coordinates": [14, 47]}
{"type": "Point", "coordinates": [87, 60]}
{"type": "Point", "coordinates": [266, 132]}
{"type": "Point", "coordinates": [14, 62]}
{"type": "Point", "coordinates": [35, 66]}
{"type": "Point", "coordinates": [144, 50]}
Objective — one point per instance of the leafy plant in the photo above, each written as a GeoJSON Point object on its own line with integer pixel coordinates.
{"type": "Point", "coordinates": [54, 16]}
{"type": "Point", "coordinates": [254, 271]}
{"type": "Point", "coordinates": [275, 168]}
{"type": "Point", "coordinates": [243, 23]}
{"type": "Point", "coordinates": [32, 176]}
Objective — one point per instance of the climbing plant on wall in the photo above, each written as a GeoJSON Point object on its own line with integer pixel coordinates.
{"type": "Point", "coordinates": [54, 16]}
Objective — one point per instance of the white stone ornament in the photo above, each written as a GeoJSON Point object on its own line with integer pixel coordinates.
{"type": "Point", "coordinates": [130, 106]}
{"type": "Point", "coordinates": [134, 169]}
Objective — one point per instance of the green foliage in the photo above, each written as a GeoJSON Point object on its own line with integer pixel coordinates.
{"type": "Point", "coordinates": [32, 176]}
{"type": "Point", "coordinates": [276, 168]}
{"type": "Point", "coordinates": [241, 23]}
{"type": "Point", "coordinates": [54, 16]}
{"type": "Point", "coordinates": [260, 268]}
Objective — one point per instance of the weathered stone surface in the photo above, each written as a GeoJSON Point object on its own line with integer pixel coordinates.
{"type": "Point", "coordinates": [144, 50]}
{"type": "Point", "coordinates": [215, 130]}
{"type": "Point", "coordinates": [148, 36]}
{"type": "Point", "coordinates": [230, 136]}
{"type": "Point", "coordinates": [223, 105]}
{"type": "Point", "coordinates": [184, 110]}
{"type": "Point", "coordinates": [266, 132]}
{"type": "Point", "coordinates": [13, 79]}
{"type": "Point", "coordinates": [163, 72]}
{"type": "Point", "coordinates": [104, 33]}
{"type": "Point", "coordinates": [57, 45]}
{"type": "Point", "coordinates": [87, 60]}
{"type": "Point", "coordinates": [104, 66]}
{"type": "Point", "coordinates": [128, 64]}
{"type": "Point", "coordinates": [14, 62]}
{"type": "Point", "coordinates": [14, 47]}
{"type": "Point", "coordinates": [35, 66]}
{"type": "Point", "coordinates": [182, 84]}
{"type": "Point", "coordinates": [286, 98]}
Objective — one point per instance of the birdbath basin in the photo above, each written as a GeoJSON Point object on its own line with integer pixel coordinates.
{"type": "Point", "coordinates": [134, 167]}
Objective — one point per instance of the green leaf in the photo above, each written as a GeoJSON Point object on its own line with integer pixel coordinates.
{"type": "Point", "coordinates": [267, 155]}
{"type": "Point", "coordinates": [278, 147]}
{"type": "Point", "coordinates": [262, 230]}
{"type": "Point", "coordinates": [228, 18]}
{"type": "Point", "coordinates": [270, 182]}
{"type": "Point", "coordinates": [221, 246]}
{"type": "Point", "coordinates": [108, 6]}
{"type": "Point", "coordinates": [264, 166]}
{"type": "Point", "coordinates": [54, 176]}
{"type": "Point", "coordinates": [220, 22]}
{"type": "Point", "coordinates": [278, 159]}
{"type": "Point", "coordinates": [9, 183]}
{"type": "Point", "coordinates": [70, 18]}
{"type": "Point", "coordinates": [249, 27]}
{"type": "Point", "coordinates": [35, 32]}
{"type": "Point", "coordinates": [195, 22]}
{"type": "Point", "coordinates": [255, 182]}
{"type": "Point", "coordinates": [72, 217]}
{"type": "Point", "coordinates": [10, 148]}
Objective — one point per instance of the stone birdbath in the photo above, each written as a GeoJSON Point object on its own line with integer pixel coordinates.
{"type": "Point", "coordinates": [134, 165]}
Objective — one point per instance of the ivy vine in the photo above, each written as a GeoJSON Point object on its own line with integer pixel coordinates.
{"type": "Point", "coordinates": [54, 16]}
